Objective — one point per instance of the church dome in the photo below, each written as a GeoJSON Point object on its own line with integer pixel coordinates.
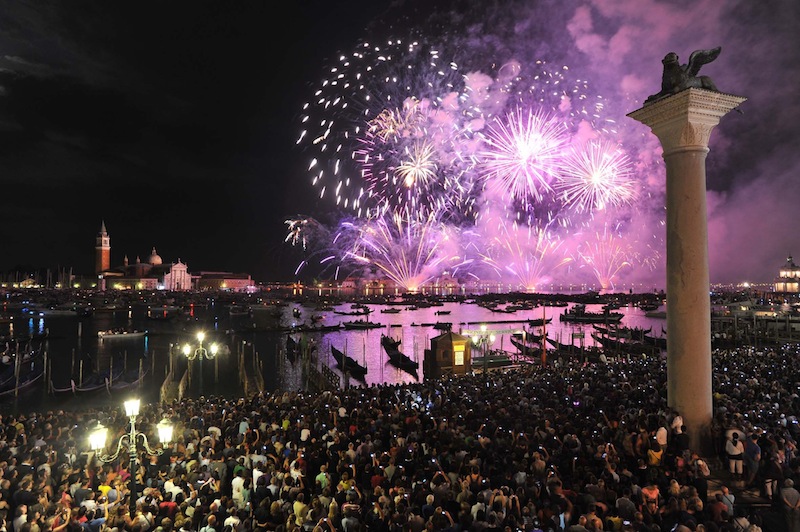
{"type": "Point", "coordinates": [155, 259]}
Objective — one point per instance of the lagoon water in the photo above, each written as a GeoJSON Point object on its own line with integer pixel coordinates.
{"type": "Point", "coordinates": [71, 340]}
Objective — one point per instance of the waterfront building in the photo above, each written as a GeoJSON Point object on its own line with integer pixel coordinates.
{"type": "Point", "coordinates": [155, 274]}
{"type": "Point", "coordinates": [788, 280]}
{"type": "Point", "coordinates": [150, 275]}
{"type": "Point", "coordinates": [225, 281]}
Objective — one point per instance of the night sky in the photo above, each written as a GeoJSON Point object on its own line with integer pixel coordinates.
{"type": "Point", "coordinates": [176, 122]}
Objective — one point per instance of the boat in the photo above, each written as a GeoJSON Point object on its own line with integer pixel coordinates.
{"type": "Point", "coordinates": [315, 328]}
{"type": "Point", "coordinates": [99, 380]}
{"type": "Point", "coordinates": [648, 305]}
{"type": "Point", "coordinates": [659, 342]}
{"type": "Point", "coordinates": [442, 312]}
{"type": "Point", "coordinates": [348, 364]}
{"type": "Point", "coordinates": [129, 379]}
{"type": "Point", "coordinates": [439, 325]}
{"type": "Point", "coordinates": [359, 312]}
{"type": "Point", "coordinates": [27, 380]}
{"type": "Point", "coordinates": [619, 332]}
{"type": "Point", "coordinates": [540, 322]}
{"type": "Point", "coordinates": [361, 324]}
{"type": "Point", "coordinates": [9, 365]}
{"type": "Point", "coordinates": [397, 358]}
{"type": "Point", "coordinates": [236, 311]}
{"type": "Point", "coordinates": [659, 314]}
{"type": "Point", "coordinates": [579, 314]}
{"type": "Point", "coordinates": [391, 310]}
{"type": "Point", "coordinates": [120, 334]}
{"type": "Point", "coordinates": [528, 342]}
{"type": "Point", "coordinates": [618, 346]}
{"type": "Point", "coordinates": [54, 312]}
{"type": "Point", "coordinates": [506, 310]}
{"type": "Point", "coordinates": [572, 351]}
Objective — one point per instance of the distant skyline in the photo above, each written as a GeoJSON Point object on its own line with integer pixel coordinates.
{"type": "Point", "coordinates": [177, 123]}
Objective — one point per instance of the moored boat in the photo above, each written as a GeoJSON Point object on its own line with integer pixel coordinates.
{"type": "Point", "coordinates": [396, 357]}
{"type": "Point", "coordinates": [528, 342]}
{"type": "Point", "coordinates": [348, 364]}
{"type": "Point", "coordinates": [579, 314]}
{"type": "Point", "coordinates": [25, 382]}
{"type": "Point", "coordinates": [361, 324]}
{"type": "Point", "coordinates": [612, 346]}
{"type": "Point", "coordinates": [119, 334]}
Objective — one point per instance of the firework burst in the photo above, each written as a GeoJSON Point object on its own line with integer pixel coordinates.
{"type": "Point", "coordinates": [409, 250]}
{"type": "Point", "coordinates": [606, 256]}
{"type": "Point", "coordinates": [384, 130]}
{"type": "Point", "coordinates": [595, 177]}
{"type": "Point", "coordinates": [512, 160]}
{"type": "Point", "coordinates": [523, 154]}
{"type": "Point", "coordinates": [527, 254]}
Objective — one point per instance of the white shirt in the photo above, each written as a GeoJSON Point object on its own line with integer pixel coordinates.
{"type": "Point", "coordinates": [237, 485]}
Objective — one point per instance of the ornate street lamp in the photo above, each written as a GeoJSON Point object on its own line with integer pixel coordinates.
{"type": "Point", "coordinates": [200, 352]}
{"type": "Point", "coordinates": [129, 441]}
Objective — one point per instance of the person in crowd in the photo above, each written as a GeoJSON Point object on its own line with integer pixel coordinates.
{"type": "Point", "coordinates": [387, 457]}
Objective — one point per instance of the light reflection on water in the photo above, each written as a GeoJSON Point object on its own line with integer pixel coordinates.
{"type": "Point", "coordinates": [71, 341]}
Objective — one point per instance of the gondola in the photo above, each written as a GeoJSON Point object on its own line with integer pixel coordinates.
{"type": "Point", "coordinates": [397, 358]}
{"type": "Point", "coordinates": [28, 378]}
{"type": "Point", "coordinates": [619, 332]}
{"type": "Point", "coordinates": [617, 346]}
{"type": "Point", "coordinates": [540, 322]}
{"type": "Point", "coordinates": [348, 364]}
{"type": "Point", "coordinates": [530, 343]}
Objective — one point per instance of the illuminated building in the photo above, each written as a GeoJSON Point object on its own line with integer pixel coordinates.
{"type": "Point", "coordinates": [788, 280]}
{"type": "Point", "coordinates": [155, 274]}
{"type": "Point", "coordinates": [102, 250]}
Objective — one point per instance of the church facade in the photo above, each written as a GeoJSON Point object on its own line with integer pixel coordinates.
{"type": "Point", "coordinates": [153, 273]}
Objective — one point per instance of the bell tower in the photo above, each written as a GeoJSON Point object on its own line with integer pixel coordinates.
{"type": "Point", "coordinates": [102, 250]}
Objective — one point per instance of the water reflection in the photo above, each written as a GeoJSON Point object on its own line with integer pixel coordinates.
{"type": "Point", "coordinates": [71, 341]}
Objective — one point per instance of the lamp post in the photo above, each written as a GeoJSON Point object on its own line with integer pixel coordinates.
{"type": "Point", "coordinates": [129, 440]}
{"type": "Point", "coordinates": [482, 338]}
{"type": "Point", "coordinates": [200, 352]}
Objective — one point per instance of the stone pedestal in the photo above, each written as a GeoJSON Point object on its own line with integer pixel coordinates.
{"type": "Point", "coordinates": [683, 123]}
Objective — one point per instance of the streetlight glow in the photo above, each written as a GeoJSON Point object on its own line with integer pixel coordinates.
{"type": "Point", "coordinates": [130, 441]}
{"type": "Point", "coordinates": [199, 351]}
{"type": "Point", "coordinates": [132, 407]}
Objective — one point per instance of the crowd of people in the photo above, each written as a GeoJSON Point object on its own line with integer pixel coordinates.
{"type": "Point", "coordinates": [572, 446]}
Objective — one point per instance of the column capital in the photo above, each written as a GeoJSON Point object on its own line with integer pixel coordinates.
{"type": "Point", "coordinates": [685, 120]}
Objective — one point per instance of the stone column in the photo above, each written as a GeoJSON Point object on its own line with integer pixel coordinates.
{"type": "Point", "coordinates": [683, 123]}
